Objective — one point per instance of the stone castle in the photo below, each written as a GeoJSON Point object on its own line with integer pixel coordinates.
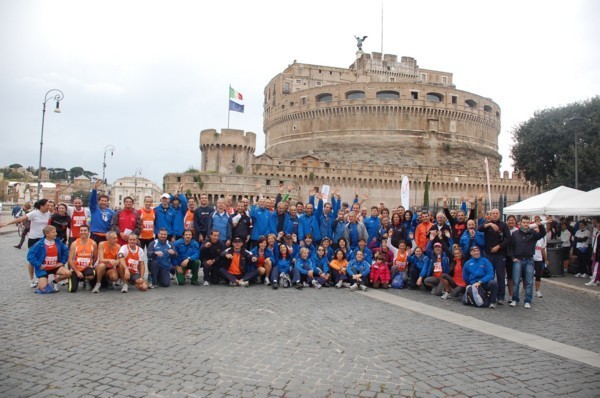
{"type": "Point", "coordinates": [361, 129]}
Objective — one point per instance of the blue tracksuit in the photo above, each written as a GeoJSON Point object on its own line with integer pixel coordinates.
{"type": "Point", "coordinates": [37, 254]}
{"type": "Point", "coordinates": [363, 268]}
{"type": "Point", "coordinates": [261, 222]}
{"type": "Point", "coordinates": [180, 212]}
{"type": "Point", "coordinates": [100, 218]}
{"type": "Point", "coordinates": [164, 218]}
{"type": "Point", "coordinates": [219, 222]}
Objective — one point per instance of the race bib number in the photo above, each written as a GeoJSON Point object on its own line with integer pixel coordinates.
{"type": "Point", "coordinates": [437, 268]}
{"type": "Point", "coordinates": [50, 262]}
{"type": "Point", "coordinates": [148, 225]}
{"type": "Point", "coordinates": [82, 263]}
{"type": "Point", "coordinates": [78, 221]}
{"type": "Point", "coordinates": [133, 265]}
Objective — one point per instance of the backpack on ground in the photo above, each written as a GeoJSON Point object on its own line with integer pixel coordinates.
{"type": "Point", "coordinates": [398, 281]}
{"type": "Point", "coordinates": [476, 296]}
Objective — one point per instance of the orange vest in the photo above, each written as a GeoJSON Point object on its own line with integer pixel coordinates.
{"type": "Point", "coordinates": [148, 218]}
{"type": "Point", "coordinates": [401, 261]}
{"type": "Point", "coordinates": [132, 259]}
{"type": "Point", "coordinates": [78, 219]}
{"type": "Point", "coordinates": [188, 221]}
{"type": "Point", "coordinates": [84, 254]}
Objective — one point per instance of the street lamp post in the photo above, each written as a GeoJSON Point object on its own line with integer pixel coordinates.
{"type": "Point", "coordinates": [565, 122]}
{"type": "Point", "coordinates": [138, 172]}
{"type": "Point", "coordinates": [57, 96]}
{"type": "Point", "coordinates": [111, 149]}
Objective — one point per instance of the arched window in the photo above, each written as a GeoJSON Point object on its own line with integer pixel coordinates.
{"type": "Point", "coordinates": [487, 108]}
{"type": "Point", "coordinates": [352, 95]}
{"type": "Point", "coordinates": [326, 97]}
{"type": "Point", "coordinates": [470, 103]}
{"type": "Point", "coordinates": [434, 97]}
{"type": "Point", "coordinates": [388, 95]}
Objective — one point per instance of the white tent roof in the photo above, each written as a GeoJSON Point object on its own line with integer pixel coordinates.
{"type": "Point", "coordinates": [541, 203]}
{"type": "Point", "coordinates": [584, 204]}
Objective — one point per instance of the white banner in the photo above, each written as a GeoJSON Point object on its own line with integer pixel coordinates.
{"type": "Point", "coordinates": [405, 193]}
{"type": "Point", "coordinates": [325, 192]}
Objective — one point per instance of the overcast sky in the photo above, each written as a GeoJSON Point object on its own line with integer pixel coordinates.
{"type": "Point", "coordinates": [148, 76]}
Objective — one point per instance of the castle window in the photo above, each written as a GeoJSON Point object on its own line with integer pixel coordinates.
{"type": "Point", "coordinates": [444, 80]}
{"type": "Point", "coordinates": [414, 95]}
{"type": "Point", "coordinates": [303, 100]}
{"type": "Point", "coordinates": [424, 77]}
{"type": "Point", "coordinates": [454, 99]}
{"type": "Point", "coordinates": [392, 79]}
{"type": "Point", "coordinates": [319, 84]}
{"type": "Point", "coordinates": [470, 103]}
{"type": "Point", "coordinates": [298, 81]}
{"type": "Point", "coordinates": [434, 97]}
{"type": "Point", "coordinates": [282, 106]}
{"type": "Point", "coordinates": [388, 95]}
{"type": "Point", "coordinates": [178, 179]}
{"type": "Point", "coordinates": [352, 95]}
{"type": "Point", "coordinates": [487, 108]}
{"type": "Point", "coordinates": [292, 103]}
{"type": "Point", "coordinates": [324, 97]}
{"type": "Point", "coordinates": [497, 114]}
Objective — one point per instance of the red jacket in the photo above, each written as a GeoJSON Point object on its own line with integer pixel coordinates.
{"type": "Point", "coordinates": [381, 272]}
{"type": "Point", "coordinates": [126, 220]}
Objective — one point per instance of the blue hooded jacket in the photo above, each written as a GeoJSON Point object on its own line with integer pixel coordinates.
{"type": "Point", "coordinates": [37, 254]}
{"type": "Point", "coordinates": [155, 246]}
{"type": "Point", "coordinates": [478, 270]}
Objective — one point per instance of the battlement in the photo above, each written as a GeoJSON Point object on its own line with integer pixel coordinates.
{"type": "Point", "coordinates": [228, 137]}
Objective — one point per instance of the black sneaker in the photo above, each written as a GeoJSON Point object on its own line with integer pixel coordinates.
{"type": "Point", "coordinates": [275, 285]}
{"type": "Point", "coordinates": [299, 285]}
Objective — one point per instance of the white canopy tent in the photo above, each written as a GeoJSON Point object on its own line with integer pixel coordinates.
{"type": "Point", "coordinates": [585, 204]}
{"type": "Point", "coordinates": [540, 204]}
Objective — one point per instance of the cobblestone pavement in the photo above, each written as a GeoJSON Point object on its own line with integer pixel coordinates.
{"type": "Point", "coordinates": [186, 341]}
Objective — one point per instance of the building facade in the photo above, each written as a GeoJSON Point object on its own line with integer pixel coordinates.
{"type": "Point", "coordinates": [361, 129]}
{"type": "Point", "coordinates": [136, 187]}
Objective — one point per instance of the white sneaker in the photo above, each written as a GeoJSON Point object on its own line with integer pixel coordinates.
{"type": "Point", "coordinates": [446, 296]}
{"type": "Point", "coordinates": [363, 288]}
{"type": "Point", "coordinates": [353, 287]}
{"type": "Point", "coordinates": [527, 305]}
{"type": "Point", "coordinates": [591, 283]}
{"type": "Point", "coordinates": [339, 284]}
{"type": "Point", "coordinates": [585, 276]}
{"type": "Point", "coordinates": [578, 275]}
{"type": "Point", "coordinates": [267, 281]}
{"type": "Point", "coordinates": [244, 283]}
{"type": "Point", "coordinates": [316, 284]}
{"type": "Point", "coordinates": [345, 284]}
{"type": "Point", "coordinates": [33, 283]}
{"type": "Point", "coordinates": [96, 288]}
{"type": "Point", "coordinates": [124, 288]}
{"type": "Point", "coordinates": [54, 286]}
{"type": "Point", "coordinates": [206, 283]}
{"type": "Point", "coordinates": [513, 303]}
{"type": "Point", "coordinates": [538, 293]}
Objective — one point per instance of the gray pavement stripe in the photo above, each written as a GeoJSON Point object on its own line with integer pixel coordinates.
{"type": "Point", "coordinates": [593, 292]}
{"type": "Point", "coordinates": [530, 340]}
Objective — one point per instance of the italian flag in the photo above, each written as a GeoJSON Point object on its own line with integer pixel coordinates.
{"type": "Point", "coordinates": [235, 94]}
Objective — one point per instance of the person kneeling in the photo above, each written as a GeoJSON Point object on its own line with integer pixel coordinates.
{"type": "Point", "coordinates": [48, 256]}
{"type": "Point", "coordinates": [160, 253]}
{"type": "Point", "coordinates": [237, 264]}
{"type": "Point", "coordinates": [187, 254]}
{"type": "Point", "coordinates": [131, 265]}
{"type": "Point", "coordinates": [358, 272]}
{"type": "Point", "coordinates": [82, 255]}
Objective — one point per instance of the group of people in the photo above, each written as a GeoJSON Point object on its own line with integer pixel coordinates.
{"type": "Point", "coordinates": [280, 243]}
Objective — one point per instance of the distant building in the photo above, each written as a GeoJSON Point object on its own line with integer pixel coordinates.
{"type": "Point", "coordinates": [135, 186]}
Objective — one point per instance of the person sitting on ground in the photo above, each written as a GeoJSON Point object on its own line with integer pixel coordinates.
{"type": "Point", "coordinates": [82, 256]}
{"type": "Point", "coordinates": [400, 262]}
{"type": "Point", "coordinates": [304, 272]}
{"type": "Point", "coordinates": [358, 272]}
{"type": "Point", "coordinates": [438, 266]}
{"type": "Point", "coordinates": [339, 266]}
{"type": "Point", "coordinates": [453, 282]}
{"type": "Point", "coordinates": [108, 261]}
{"type": "Point", "coordinates": [367, 253]}
{"type": "Point", "coordinates": [416, 263]}
{"type": "Point", "coordinates": [48, 256]}
{"type": "Point", "coordinates": [264, 260]}
{"type": "Point", "coordinates": [321, 265]}
{"type": "Point", "coordinates": [282, 267]}
{"type": "Point", "coordinates": [131, 265]}
{"type": "Point", "coordinates": [237, 268]}
{"type": "Point", "coordinates": [380, 273]}
{"type": "Point", "coordinates": [479, 271]}
{"type": "Point", "coordinates": [187, 255]}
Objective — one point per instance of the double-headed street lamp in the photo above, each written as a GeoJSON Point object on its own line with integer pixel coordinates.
{"type": "Point", "coordinates": [57, 96]}
{"type": "Point", "coordinates": [111, 149]}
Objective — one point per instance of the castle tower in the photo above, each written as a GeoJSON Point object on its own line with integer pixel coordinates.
{"type": "Point", "coordinates": [228, 152]}
{"type": "Point", "coordinates": [379, 110]}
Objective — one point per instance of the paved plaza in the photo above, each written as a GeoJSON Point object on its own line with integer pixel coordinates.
{"type": "Point", "coordinates": [215, 341]}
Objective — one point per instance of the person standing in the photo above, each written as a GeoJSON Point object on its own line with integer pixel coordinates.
{"type": "Point", "coordinates": [39, 218]}
{"type": "Point", "coordinates": [201, 218]}
{"type": "Point", "coordinates": [102, 214]}
{"type": "Point", "coordinates": [497, 239]}
{"type": "Point", "coordinates": [126, 221]}
{"type": "Point", "coordinates": [79, 216]}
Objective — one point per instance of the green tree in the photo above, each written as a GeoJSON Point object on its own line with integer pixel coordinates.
{"type": "Point", "coordinates": [15, 166]}
{"type": "Point", "coordinates": [544, 149]}
{"type": "Point", "coordinates": [84, 195]}
{"type": "Point", "coordinates": [76, 171]}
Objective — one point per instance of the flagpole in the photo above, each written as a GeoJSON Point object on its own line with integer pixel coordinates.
{"type": "Point", "coordinates": [487, 174]}
{"type": "Point", "coordinates": [228, 107]}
